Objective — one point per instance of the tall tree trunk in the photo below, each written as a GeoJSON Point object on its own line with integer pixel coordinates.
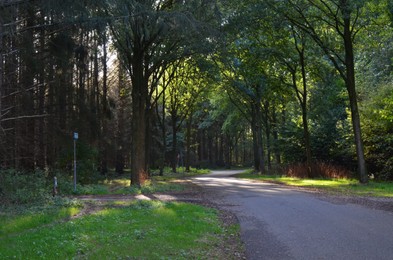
{"type": "Point", "coordinates": [268, 134]}
{"type": "Point", "coordinates": [188, 141]}
{"type": "Point", "coordinates": [163, 129]}
{"type": "Point", "coordinates": [174, 141]}
{"type": "Point", "coordinates": [306, 132]}
{"type": "Point", "coordinates": [104, 113]}
{"type": "Point", "coordinates": [275, 137]}
{"type": "Point", "coordinates": [120, 124]}
{"type": "Point", "coordinates": [1, 79]}
{"type": "Point", "coordinates": [254, 131]}
{"type": "Point", "coordinates": [41, 151]}
{"type": "Point", "coordinates": [228, 151]}
{"type": "Point", "coordinates": [148, 136]}
{"type": "Point", "coordinates": [351, 88]}
{"type": "Point", "coordinates": [262, 167]}
{"type": "Point", "coordinates": [259, 162]}
{"type": "Point", "coordinates": [139, 173]}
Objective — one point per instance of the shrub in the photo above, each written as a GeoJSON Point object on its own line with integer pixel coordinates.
{"type": "Point", "coordinates": [19, 187]}
{"type": "Point", "coordinates": [318, 170]}
{"type": "Point", "coordinates": [87, 162]}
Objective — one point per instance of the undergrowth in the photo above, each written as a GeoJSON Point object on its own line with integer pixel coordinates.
{"type": "Point", "coordinates": [36, 188]}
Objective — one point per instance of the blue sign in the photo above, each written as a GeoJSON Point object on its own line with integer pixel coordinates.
{"type": "Point", "coordinates": [75, 136]}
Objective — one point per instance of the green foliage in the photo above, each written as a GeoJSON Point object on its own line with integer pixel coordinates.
{"type": "Point", "coordinates": [377, 129]}
{"type": "Point", "coordinates": [330, 121]}
{"type": "Point", "coordinates": [153, 230]}
{"type": "Point", "coordinates": [86, 165]}
{"type": "Point", "coordinates": [290, 143]}
{"type": "Point", "coordinates": [19, 187]}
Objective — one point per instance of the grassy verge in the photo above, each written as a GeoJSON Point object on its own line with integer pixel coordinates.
{"type": "Point", "coordinates": [142, 230]}
{"type": "Point", "coordinates": [121, 184]}
{"type": "Point", "coordinates": [336, 186]}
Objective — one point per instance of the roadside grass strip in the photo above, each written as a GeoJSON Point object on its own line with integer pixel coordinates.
{"type": "Point", "coordinates": [142, 230]}
{"type": "Point", "coordinates": [336, 186]}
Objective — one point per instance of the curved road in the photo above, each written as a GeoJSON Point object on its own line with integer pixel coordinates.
{"type": "Point", "coordinates": [281, 223]}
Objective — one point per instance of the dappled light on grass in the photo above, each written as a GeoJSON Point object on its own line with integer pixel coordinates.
{"type": "Point", "coordinates": [339, 186]}
{"type": "Point", "coordinates": [14, 224]}
{"type": "Point", "coordinates": [114, 184]}
{"type": "Point", "coordinates": [142, 230]}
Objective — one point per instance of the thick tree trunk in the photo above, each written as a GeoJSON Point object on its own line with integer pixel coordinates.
{"type": "Point", "coordinates": [351, 88]}
{"type": "Point", "coordinates": [306, 132]}
{"type": "Point", "coordinates": [1, 77]}
{"type": "Point", "coordinates": [139, 173]}
{"type": "Point", "coordinates": [255, 141]}
{"type": "Point", "coordinates": [259, 162]}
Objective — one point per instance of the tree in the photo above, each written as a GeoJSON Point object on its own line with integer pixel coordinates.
{"type": "Point", "coordinates": [182, 93]}
{"type": "Point", "coordinates": [320, 19]}
{"type": "Point", "coordinates": [151, 35]}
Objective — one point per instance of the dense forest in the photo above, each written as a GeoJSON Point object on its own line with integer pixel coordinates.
{"type": "Point", "coordinates": [281, 86]}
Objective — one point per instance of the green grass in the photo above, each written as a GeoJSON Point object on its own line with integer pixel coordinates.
{"type": "Point", "coordinates": [12, 223]}
{"type": "Point", "coordinates": [337, 186]}
{"type": "Point", "coordinates": [143, 230]}
{"type": "Point", "coordinates": [121, 185]}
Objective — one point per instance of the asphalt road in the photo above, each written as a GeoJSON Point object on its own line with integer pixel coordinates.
{"type": "Point", "coordinates": [282, 223]}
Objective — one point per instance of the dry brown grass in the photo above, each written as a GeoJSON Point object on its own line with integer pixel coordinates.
{"type": "Point", "coordinates": [318, 170]}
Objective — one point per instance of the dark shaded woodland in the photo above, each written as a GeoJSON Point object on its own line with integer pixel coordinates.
{"type": "Point", "coordinates": [154, 84]}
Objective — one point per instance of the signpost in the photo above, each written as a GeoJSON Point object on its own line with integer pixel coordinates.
{"type": "Point", "coordinates": [75, 138]}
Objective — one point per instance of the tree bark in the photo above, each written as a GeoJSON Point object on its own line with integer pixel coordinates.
{"type": "Point", "coordinates": [188, 142]}
{"type": "Point", "coordinates": [259, 161]}
{"type": "Point", "coordinates": [139, 93]}
{"type": "Point", "coordinates": [254, 131]}
{"type": "Point", "coordinates": [163, 132]}
{"type": "Point", "coordinates": [351, 88]}
{"type": "Point", "coordinates": [104, 113]}
{"type": "Point", "coordinates": [174, 141]}
{"type": "Point", "coordinates": [306, 132]}
{"type": "Point", "coordinates": [1, 75]}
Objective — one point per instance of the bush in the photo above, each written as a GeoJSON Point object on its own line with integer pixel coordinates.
{"type": "Point", "coordinates": [87, 162]}
{"type": "Point", "coordinates": [66, 186]}
{"type": "Point", "coordinates": [377, 123]}
{"type": "Point", "coordinates": [18, 187]}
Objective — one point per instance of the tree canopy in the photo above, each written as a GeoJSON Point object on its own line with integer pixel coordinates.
{"type": "Point", "coordinates": [148, 84]}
